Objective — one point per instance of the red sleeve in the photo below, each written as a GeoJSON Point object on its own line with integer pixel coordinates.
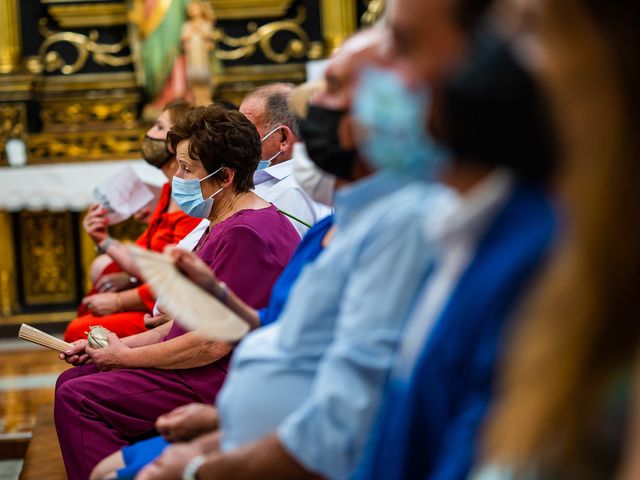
{"type": "Point", "coordinates": [183, 226]}
{"type": "Point", "coordinates": [161, 208]}
{"type": "Point", "coordinates": [147, 296]}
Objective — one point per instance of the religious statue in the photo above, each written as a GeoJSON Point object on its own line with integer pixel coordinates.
{"type": "Point", "coordinates": [175, 51]}
{"type": "Point", "coordinates": [198, 42]}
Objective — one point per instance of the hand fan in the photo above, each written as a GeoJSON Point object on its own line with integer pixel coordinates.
{"type": "Point", "coordinates": [31, 334]}
{"type": "Point", "coordinates": [192, 306]}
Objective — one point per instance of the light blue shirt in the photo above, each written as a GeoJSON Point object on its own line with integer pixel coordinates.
{"type": "Point", "coordinates": [317, 375]}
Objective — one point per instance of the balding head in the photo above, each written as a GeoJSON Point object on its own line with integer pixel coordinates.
{"type": "Point", "coordinates": [267, 108]}
{"type": "Point", "coordinates": [344, 67]}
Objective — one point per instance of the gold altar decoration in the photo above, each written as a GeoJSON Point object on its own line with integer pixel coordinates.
{"type": "Point", "coordinates": [7, 266]}
{"type": "Point", "coordinates": [338, 22]}
{"type": "Point", "coordinates": [82, 102]}
{"type": "Point", "coordinates": [261, 37]}
{"type": "Point", "coordinates": [84, 147]}
{"type": "Point", "coordinates": [237, 9]}
{"type": "Point", "coordinates": [235, 82]}
{"type": "Point", "coordinates": [70, 116]}
{"type": "Point", "coordinates": [86, 86]}
{"type": "Point", "coordinates": [85, 45]}
{"type": "Point", "coordinates": [15, 87]}
{"type": "Point", "coordinates": [47, 257]}
{"type": "Point", "coordinates": [10, 44]}
{"type": "Point", "coordinates": [90, 15]}
{"type": "Point", "coordinates": [12, 125]}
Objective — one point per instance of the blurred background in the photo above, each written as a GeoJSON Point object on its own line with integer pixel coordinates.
{"type": "Point", "coordinates": [79, 81]}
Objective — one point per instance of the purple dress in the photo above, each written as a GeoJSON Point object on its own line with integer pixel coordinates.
{"type": "Point", "coordinates": [98, 413]}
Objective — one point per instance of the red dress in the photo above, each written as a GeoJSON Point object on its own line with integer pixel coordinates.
{"type": "Point", "coordinates": [165, 228]}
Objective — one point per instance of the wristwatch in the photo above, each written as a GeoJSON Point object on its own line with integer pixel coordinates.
{"type": "Point", "coordinates": [104, 246]}
{"type": "Point", "coordinates": [224, 292]}
{"type": "Point", "coordinates": [190, 472]}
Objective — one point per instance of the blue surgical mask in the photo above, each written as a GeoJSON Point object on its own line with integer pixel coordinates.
{"type": "Point", "coordinates": [262, 164]}
{"type": "Point", "coordinates": [188, 195]}
{"type": "Point", "coordinates": [266, 163]}
{"type": "Point", "coordinates": [391, 129]}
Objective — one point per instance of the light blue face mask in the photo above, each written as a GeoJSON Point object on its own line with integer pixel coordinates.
{"type": "Point", "coordinates": [188, 195]}
{"type": "Point", "coordinates": [391, 126]}
{"type": "Point", "coordinates": [266, 163]}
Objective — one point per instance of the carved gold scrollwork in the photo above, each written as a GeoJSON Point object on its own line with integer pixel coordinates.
{"type": "Point", "coordinates": [82, 113]}
{"type": "Point", "coordinates": [47, 253]}
{"type": "Point", "coordinates": [80, 146]}
{"type": "Point", "coordinates": [261, 37]}
{"type": "Point", "coordinates": [11, 120]}
{"type": "Point", "coordinates": [86, 46]}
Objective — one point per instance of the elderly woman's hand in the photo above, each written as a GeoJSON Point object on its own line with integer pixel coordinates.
{"type": "Point", "coordinates": [95, 223]}
{"type": "Point", "coordinates": [195, 269]}
{"type": "Point", "coordinates": [101, 304]}
{"type": "Point", "coordinates": [76, 355]}
{"type": "Point", "coordinates": [114, 356]}
{"type": "Point", "coordinates": [187, 422]}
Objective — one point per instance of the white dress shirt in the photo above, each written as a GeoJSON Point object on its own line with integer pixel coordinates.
{"type": "Point", "coordinates": [278, 186]}
{"type": "Point", "coordinates": [457, 235]}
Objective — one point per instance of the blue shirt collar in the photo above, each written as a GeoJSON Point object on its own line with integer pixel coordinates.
{"type": "Point", "coordinates": [353, 199]}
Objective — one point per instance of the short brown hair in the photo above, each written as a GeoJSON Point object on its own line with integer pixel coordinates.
{"type": "Point", "coordinates": [219, 137]}
{"type": "Point", "coordinates": [177, 109]}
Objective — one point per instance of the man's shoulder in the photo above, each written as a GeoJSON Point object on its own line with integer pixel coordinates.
{"type": "Point", "coordinates": [414, 202]}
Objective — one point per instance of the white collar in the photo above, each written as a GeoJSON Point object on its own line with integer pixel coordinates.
{"type": "Point", "coordinates": [279, 171]}
{"type": "Point", "coordinates": [474, 212]}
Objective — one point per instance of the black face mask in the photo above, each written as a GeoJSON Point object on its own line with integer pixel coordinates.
{"type": "Point", "coordinates": [494, 113]}
{"type": "Point", "coordinates": [320, 133]}
{"type": "Point", "coordinates": [155, 151]}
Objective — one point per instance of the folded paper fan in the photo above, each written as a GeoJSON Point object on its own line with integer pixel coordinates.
{"type": "Point", "coordinates": [31, 334]}
{"type": "Point", "coordinates": [192, 306]}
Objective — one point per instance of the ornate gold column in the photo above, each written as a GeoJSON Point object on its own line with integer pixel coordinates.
{"type": "Point", "coordinates": [338, 22]}
{"type": "Point", "coordinates": [7, 267]}
{"type": "Point", "coordinates": [10, 45]}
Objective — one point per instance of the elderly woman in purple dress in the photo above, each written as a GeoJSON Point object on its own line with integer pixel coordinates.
{"type": "Point", "coordinates": [115, 394]}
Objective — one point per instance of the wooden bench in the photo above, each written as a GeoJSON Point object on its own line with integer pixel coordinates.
{"type": "Point", "coordinates": [43, 460]}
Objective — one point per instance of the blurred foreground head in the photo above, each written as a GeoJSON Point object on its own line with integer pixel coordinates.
{"type": "Point", "coordinates": [327, 129]}
{"type": "Point", "coordinates": [581, 334]}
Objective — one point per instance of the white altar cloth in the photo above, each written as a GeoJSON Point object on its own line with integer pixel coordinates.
{"type": "Point", "coordinates": [61, 187]}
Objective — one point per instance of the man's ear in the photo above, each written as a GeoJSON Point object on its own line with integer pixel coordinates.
{"type": "Point", "coordinates": [287, 140]}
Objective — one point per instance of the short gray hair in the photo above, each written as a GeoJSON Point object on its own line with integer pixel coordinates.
{"type": "Point", "coordinates": [276, 108]}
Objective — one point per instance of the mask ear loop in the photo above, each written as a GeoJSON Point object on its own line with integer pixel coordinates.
{"type": "Point", "coordinates": [279, 127]}
{"type": "Point", "coordinates": [221, 188]}
{"type": "Point", "coordinates": [211, 175]}
{"type": "Point", "coordinates": [270, 133]}
{"type": "Point", "coordinates": [274, 157]}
